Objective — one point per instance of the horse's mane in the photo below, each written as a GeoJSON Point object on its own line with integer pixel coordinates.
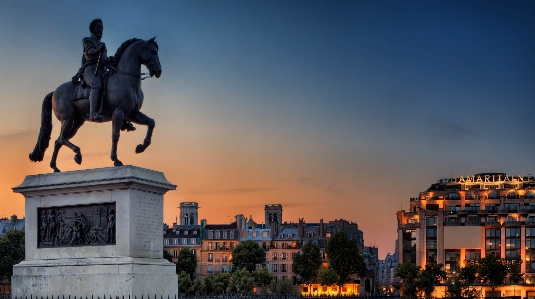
{"type": "Point", "coordinates": [114, 61]}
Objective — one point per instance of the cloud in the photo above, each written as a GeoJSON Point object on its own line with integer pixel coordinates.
{"type": "Point", "coordinates": [313, 183]}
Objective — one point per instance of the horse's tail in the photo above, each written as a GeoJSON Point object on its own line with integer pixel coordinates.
{"type": "Point", "coordinates": [45, 132]}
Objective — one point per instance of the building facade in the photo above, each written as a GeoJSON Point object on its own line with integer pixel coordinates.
{"type": "Point", "coordinates": [459, 220]}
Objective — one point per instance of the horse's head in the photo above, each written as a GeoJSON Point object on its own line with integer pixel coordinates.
{"type": "Point", "coordinates": [149, 57]}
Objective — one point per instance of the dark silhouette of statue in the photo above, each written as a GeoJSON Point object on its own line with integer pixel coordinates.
{"type": "Point", "coordinates": [74, 103]}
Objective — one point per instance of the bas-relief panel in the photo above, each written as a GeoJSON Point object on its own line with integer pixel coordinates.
{"type": "Point", "coordinates": [80, 225]}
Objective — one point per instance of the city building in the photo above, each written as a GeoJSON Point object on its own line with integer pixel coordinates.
{"type": "Point", "coordinates": [218, 243]}
{"type": "Point", "coordinates": [13, 222]}
{"type": "Point", "coordinates": [186, 234]}
{"type": "Point", "coordinates": [459, 220]}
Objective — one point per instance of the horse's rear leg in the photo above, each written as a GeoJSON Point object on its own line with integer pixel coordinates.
{"type": "Point", "coordinates": [142, 119]}
{"type": "Point", "coordinates": [66, 127]}
{"type": "Point", "coordinates": [117, 122]}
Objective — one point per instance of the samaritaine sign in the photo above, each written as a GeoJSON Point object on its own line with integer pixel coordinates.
{"type": "Point", "coordinates": [490, 178]}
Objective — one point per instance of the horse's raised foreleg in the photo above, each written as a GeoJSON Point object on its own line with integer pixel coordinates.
{"type": "Point", "coordinates": [117, 121]}
{"type": "Point", "coordinates": [63, 139]}
{"type": "Point", "coordinates": [142, 119]}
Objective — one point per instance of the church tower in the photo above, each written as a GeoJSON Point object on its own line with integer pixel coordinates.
{"type": "Point", "coordinates": [189, 213]}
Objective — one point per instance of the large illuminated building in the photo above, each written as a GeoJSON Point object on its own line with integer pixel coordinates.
{"type": "Point", "coordinates": [459, 220]}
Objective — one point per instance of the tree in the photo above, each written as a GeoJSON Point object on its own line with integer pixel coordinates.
{"type": "Point", "coordinates": [344, 257]}
{"type": "Point", "coordinates": [221, 283]}
{"type": "Point", "coordinates": [11, 252]}
{"type": "Point", "coordinates": [461, 286]}
{"type": "Point", "coordinates": [307, 262]}
{"type": "Point", "coordinates": [284, 287]}
{"type": "Point", "coordinates": [187, 262]}
{"type": "Point", "coordinates": [515, 276]}
{"type": "Point", "coordinates": [263, 277]}
{"type": "Point", "coordinates": [429, 277]}
{"type": "Point", "coordinates": [328, 277]}
{"type": "Point", "coordinates": [167, 255]}
{"type": "Point", "coordinates": [492, 270]}
{"type": "Point", "coordinates": [247, 255]}
{"type": "Point", "coordinates": [241, 282]}
{"type": "Point", "coordinates": [207, 287]}
{"type": "Point", "coordinates": [184, 284]}
{"type": "Point", "coordinates": [408, 272]}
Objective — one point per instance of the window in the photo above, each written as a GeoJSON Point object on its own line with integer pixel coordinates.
{"type": "Point", "coordinates": [472, 254]}
{"type": "Point", "coordinates": [210, 234]}
{"type": "Point", "coordinates": [224, 258]}
{"type": "Point", "coordinates": [210, 246]}
{"type": "Point", "coordinates": [453, 261]}
{"type": "Point", "coordinates": [431, 233]}
{"type": "Point", "coordinates": [512, 207]}
{"type": "Point", "coordinates": [218, 234]}
{"type": "Point", "coordinates": [453, 195]}
{"type": "Point", "coordinates": [432, 207]}
{"type": "Point", "coordinates": [231, 234]}
{"type": "Point", "coordinates": [274, 255]}
{"type": "Point", "coordinates": [431, 244]}
{"type": "Point", "coordinates": [166, 241]}
{"type": "Point", "coordinates": [275, 268]}
{"type": "Point", "coordinates": [453, 209]}
{"type": "Point", "coordinates": [284, 255]}
{"type": "Point", "coordinates": [186, 232]}
{"type": "Point", "coordinates": [193, 241]}
{"type": "Point", "coordinates": [210, 270]}
{"type": "Point", "coordinates": [530, 249]}
{"type": "Point", "coordinates": [409, 245]}
{"type": "Point", "coordinates": [195, 232]}
{"type": "Point", "coordinates": [473, 219]}
{"type": "Point", "coordinates": [492, 208]}
{"type": "Point", "coordinates": [254, 234]}
{"type": "Point", "coordinates": [512, 243]}
{"type": "Point", "coordinates": [283, 268]}
{"type": "Point", "coordinates": [184, 241]}
{"type": "Point", "coordinates": [493, 195]}
{"type": "Point", "coordinates": [512, 195]}
{"type": "Point", "coordinates": [473, 207]}
{"type": "Point", "coordinates": [265, 234]}
{"type": "Point", "coordinates": [225, 234]}
{"type": "Point", "coordinates": [492, 241]}
{"type": "Point", "coordinates": [210, 257]}
{"type": "Point", "coordinates": [431, 221]}
{"type": "Point", "coordinates": [224, 268]}
{"type": "Point", "coordinates": [530, 194]}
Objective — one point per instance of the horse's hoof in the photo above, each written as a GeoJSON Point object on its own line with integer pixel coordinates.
{"type": "Point", "coordinates": [78, 159]}
{"type": "Point", "coordinates": [56, 170]}
{"type": "Point", "coordinates": [140, 148]}
{"type": "Point", "coordinates": [117, 163]}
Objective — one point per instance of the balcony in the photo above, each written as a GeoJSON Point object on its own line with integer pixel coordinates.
{"type": "Point", "coordinates": [492, 223]}
{"type": "Point", "coordinates": [513, 223]}
{"type": "Point", "coordinates": [410, 225]}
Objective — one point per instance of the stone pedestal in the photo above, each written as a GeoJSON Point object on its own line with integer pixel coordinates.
{"type": "Point", "coordinates": [95, 232]}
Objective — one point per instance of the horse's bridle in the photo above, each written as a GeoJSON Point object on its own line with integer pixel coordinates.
{"type": "Point", "coordinates": [135, 75]}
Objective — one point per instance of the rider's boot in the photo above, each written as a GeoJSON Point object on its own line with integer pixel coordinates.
{"type": "Point", "coordinates": [93, 101]}
{"type": "Point", "coordinates": [127, 126]}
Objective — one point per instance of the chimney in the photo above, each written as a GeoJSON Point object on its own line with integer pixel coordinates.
{"type": "Point", "coordinates": [322, 230]}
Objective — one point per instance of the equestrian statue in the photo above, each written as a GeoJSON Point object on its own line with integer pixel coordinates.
{"type": "Point", "coordinates": [104, 89]}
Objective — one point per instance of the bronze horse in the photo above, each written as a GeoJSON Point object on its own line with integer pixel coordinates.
{"type": "Point", "coordinates": [123, 101]}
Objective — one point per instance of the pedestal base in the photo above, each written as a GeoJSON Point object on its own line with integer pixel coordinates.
{"type": "Point", "coordinates": [95, 232]}
{"type": "Point", "coordinates": [95, 277]}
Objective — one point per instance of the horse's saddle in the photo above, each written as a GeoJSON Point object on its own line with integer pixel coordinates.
{"type": "Point", "coordinates": [81, 90]}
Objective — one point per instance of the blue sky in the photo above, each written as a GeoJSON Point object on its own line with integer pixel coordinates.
{"type": "Point", "coordinates": [335, 109]}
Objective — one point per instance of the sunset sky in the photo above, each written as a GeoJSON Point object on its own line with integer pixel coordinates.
{"type": "Point", "coordinates": [334, 109]}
